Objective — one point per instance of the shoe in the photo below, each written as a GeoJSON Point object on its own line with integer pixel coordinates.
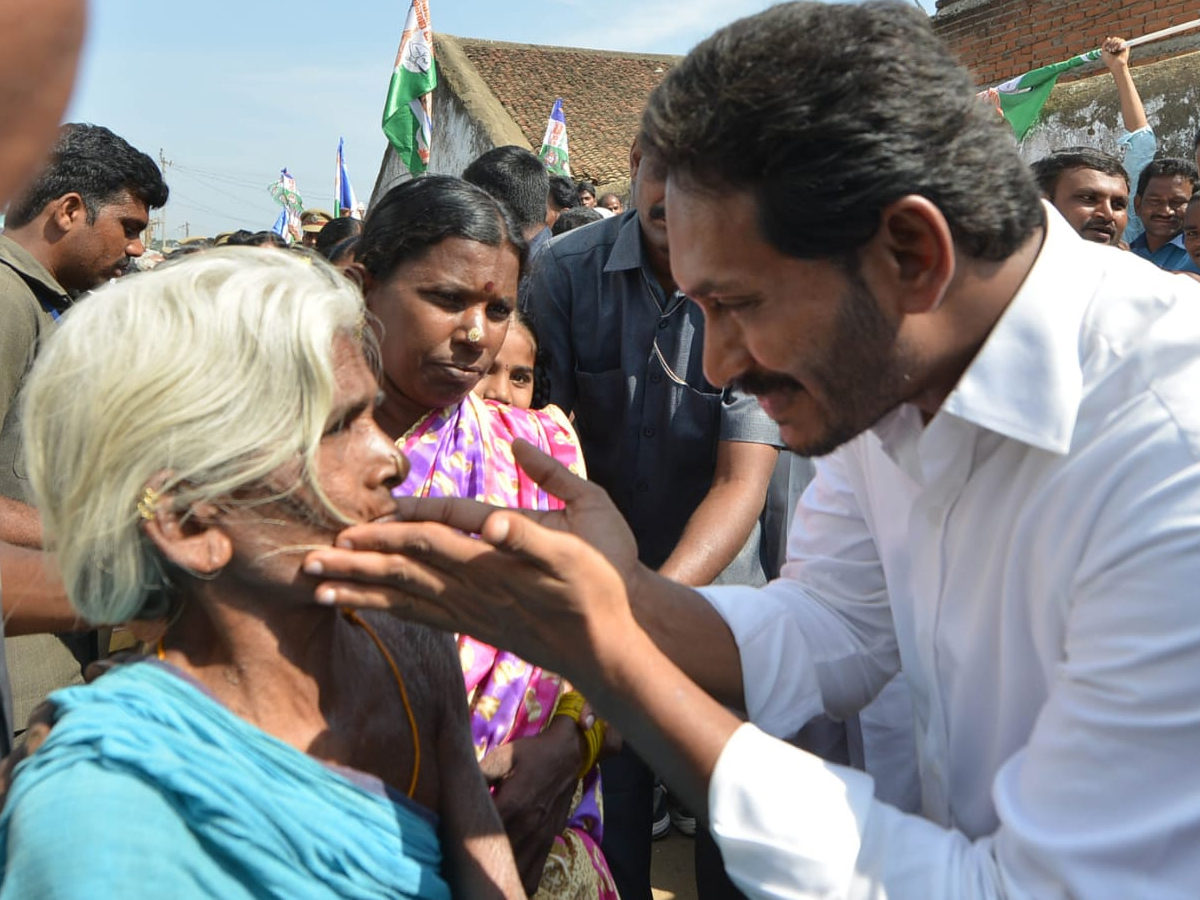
{"type": "Point", "coordinates": [682, 818]}
{"type": "Point", "coordinates": [661, 819]}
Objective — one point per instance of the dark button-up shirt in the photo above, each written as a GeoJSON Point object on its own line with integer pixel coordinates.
{"type": "Point", "coordinates": [627, 360]}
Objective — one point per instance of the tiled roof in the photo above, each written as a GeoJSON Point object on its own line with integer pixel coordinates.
{"type": "Point", "coordinates": [603, 94]}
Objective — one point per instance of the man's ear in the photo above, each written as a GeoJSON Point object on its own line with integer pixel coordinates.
{"type": "Point", "coordinates": [916, 248]}
{"type": "Point", "coordinates": [191, 539]}
{"type": "Point", "coordinates": [635, 158]}
{"type": "Point", "coordinates": [68, 212]}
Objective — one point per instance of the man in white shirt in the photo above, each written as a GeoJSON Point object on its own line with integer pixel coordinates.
{"type": "Point", "coordinates": [1008, 507]}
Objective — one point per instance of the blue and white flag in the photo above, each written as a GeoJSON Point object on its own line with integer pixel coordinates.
{"type": "Point", "coordinates": [554, 145]}
{"type": "Point", "coordinates": [344, 200]}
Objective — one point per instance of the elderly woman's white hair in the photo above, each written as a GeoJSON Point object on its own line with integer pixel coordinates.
{"type": "Point", "coordinates": [197, 379]}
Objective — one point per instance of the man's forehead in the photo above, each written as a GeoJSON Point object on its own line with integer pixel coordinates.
{"type": "Point", "coordinates": [1082, 176]}
{"type": "Point", "coordinates": [124, 206]}
{"type": "Point", "coordinates": [1168, 183]}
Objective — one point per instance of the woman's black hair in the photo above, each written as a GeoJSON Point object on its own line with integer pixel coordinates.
{"type": "Point", "coordinates": [418, 214]}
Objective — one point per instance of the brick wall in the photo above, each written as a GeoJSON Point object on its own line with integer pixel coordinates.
{"type": "Point", "coordinates": [1000, 39]}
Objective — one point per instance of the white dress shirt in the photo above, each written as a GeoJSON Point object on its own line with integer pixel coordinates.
{"type": "Point", "coordinates": [1032, 558]}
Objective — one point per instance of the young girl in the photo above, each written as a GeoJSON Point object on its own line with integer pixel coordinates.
{"type": "Point", "coordinates": [518, 374]}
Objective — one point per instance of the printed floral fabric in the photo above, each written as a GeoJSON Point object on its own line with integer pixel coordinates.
{"type": "Point", "coordinates": [466, 451]}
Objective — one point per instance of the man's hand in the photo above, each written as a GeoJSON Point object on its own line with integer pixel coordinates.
{"type": "Point", "coordinates": [1114, 53]}
{"type": "Point", "coordinates": [551, 587]}
{"type": "Point", "coordinates": [534, 781]}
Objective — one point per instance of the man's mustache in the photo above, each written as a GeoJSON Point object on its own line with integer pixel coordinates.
{"type": "Point", "coordinates": [765, 382]}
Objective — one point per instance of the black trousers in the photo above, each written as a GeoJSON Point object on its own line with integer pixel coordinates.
{"type": "Point", "coordinates": [628, 800]}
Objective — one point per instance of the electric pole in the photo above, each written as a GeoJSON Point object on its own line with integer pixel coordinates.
{"type": "Point", "coordinates": [163, 162]}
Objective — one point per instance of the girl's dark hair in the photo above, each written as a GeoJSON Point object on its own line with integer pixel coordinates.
{"type": "Point", "coordinates": [418, 214]}
{"type": "Point", "coordinates": [541, 359]}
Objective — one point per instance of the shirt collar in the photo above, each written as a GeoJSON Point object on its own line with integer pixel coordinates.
{"type": "Point", "coordinates": [1026, 383]}
{"type": "Point", "coordinates": [627, 251]}
{"type": "Point", "coordinates": [21, 260]}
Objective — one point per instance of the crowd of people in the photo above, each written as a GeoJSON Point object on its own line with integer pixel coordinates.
{"type": "Point", "coordinates": [835, 500]}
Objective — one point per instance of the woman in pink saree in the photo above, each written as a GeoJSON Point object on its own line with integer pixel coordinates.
{"type": "Point", "coordinates": [440, 262]}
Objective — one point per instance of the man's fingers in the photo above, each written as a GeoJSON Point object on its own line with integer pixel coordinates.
{"type": "Point", "coordinates": [548, 472]}
{"type": "Point", "coordinates": [387, 550]}
{"type": "Point", "coordinates": [548, 550]}
{"type": "Point", "coordinates": [456, 512]}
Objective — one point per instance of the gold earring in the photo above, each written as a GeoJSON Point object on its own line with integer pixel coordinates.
{"type": "Point", "coordinates": [148, 506]}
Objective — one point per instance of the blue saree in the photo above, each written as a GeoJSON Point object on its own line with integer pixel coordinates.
{"type": "Point", "coordinates": [148, 787]}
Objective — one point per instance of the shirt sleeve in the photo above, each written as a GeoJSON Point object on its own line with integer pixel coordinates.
{"type": "Point", "coordinates": [742, 419]}
{"type": "Point", "coordinates": [1139, 148]}
{"type": "Point", "coordinates": [820, 637]}
{"type": "Point", "coordinates": [1103, 798]}
{"type": "Point", "coordinates": [18, 338]}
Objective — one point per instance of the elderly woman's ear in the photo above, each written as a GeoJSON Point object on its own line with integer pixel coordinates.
{"type": "Point", "coordinates": [190, 539]}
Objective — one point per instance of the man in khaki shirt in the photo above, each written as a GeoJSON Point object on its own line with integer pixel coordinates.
{"type": "Point", "coordinates": [74, 227]}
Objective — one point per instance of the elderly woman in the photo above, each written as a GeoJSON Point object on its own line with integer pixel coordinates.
{"type": "Point", "coordinates": [191, 432]}
{"type": "Point", "coordinates": [440, 261]}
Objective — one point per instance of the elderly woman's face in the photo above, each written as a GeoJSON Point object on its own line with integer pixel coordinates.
{"type": "Point", "coordinates": [357, 466]}
{"type": "Point", "coordinates": [444, 317]}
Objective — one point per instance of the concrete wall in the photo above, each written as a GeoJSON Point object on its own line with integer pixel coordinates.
{"type": "Point", "coordinates": [1085, 113]}
{"type": "Point", "coordinates": [1000, 39]}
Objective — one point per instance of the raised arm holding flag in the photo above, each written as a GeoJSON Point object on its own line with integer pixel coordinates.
{"type": "Point", "coordinates": [1020, 100]}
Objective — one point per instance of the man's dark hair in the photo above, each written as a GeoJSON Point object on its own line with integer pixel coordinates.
{"type": "Point", "coordinates": [829, 113]}
{"type": "Point", "coordinates": [1048, 169]}
{"type": "Point", "coordinates": [576, 218]}
{"type": "Point", "coordinates": [562, 192]}
{"type": "Point", "coordinates": [1169, 166]}
{"type": "Point", "coordinates": [585, 187]}
{"type": "Point", "coordinates": [245, 238]}
{"type": "Point", "coordinates": [516, 178]}
{"type": "Point", "coordinates": [335, 232]}
{"type": "Point", "coordinates": [96, 164]}
{"type": "Point", "coordinates": [415, 216]}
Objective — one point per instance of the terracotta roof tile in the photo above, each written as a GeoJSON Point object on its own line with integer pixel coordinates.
{"type": "Point", "coordinates": [603, 94]}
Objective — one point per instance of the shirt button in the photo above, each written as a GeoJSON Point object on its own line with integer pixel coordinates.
{"type": "Point", "coordinates": [656, 377]}
{"type": "Point", "coordinates": [648, 432]}
{"type": "Point", "coordinates": [662, 323]}
{"type": "Point", "coordinates": [643, 486]}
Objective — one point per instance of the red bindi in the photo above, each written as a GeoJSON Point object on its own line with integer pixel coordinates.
{"type": "Point", "coordinates": [487, 288]}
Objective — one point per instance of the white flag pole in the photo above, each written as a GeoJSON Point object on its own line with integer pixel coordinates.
{"type": "Point", "coordinates": [1164, 33]}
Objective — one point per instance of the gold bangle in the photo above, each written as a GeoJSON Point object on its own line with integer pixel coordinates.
{"type": "Point", "coordinates": [571, 705]}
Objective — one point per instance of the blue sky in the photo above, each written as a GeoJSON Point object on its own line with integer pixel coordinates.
{"type": "Point", "coordinates": [231, 92]}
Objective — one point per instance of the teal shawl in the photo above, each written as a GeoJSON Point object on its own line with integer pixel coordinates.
{"type": "Point", "coordinates": [149, 787]}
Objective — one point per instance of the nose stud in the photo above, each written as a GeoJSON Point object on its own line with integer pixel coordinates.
{"type": "Point", "coordinates": [475, 335]}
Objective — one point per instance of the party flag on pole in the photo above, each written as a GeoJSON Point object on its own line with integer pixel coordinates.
{"type": "Point", "coordinates": [1020, 100]}
{"type": "Point", "coordinates": [285, 194]}
{"type": "Point", "coordinates": [554, 145]}
{"type": "Point", "coordinates": [281, 224]}
{"type": "Point", "coordinates": [408, 111]}
{"type": "Point", "coordinates": [344, 200]}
